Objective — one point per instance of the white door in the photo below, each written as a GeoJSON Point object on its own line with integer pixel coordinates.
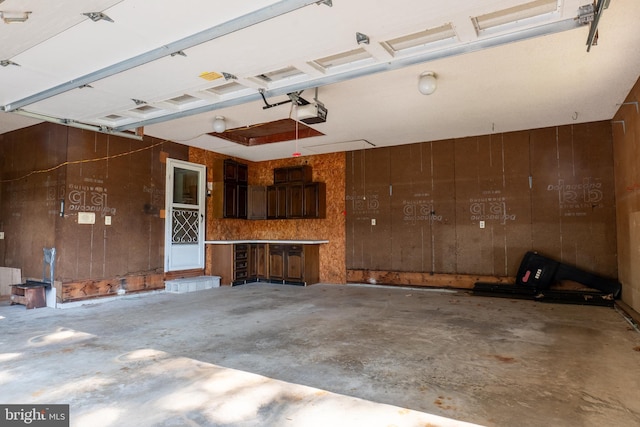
{"type": "Point", "coordinates": [185, 210]}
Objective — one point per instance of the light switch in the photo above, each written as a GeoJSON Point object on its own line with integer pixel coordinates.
{"type": "Point", "coordinates": [1, 235]}
{"type": "Point", "coordinates": [373, 221]}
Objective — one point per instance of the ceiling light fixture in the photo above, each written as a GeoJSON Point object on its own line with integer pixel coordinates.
{"type": "Point", "coordinates": [219, 125]}
{"type": "Point", "coordinates": [97, 16]}
{"type": "Point", "coordinates": [14, 17]}
{"type": "Point", "coordinates": [427, 83]}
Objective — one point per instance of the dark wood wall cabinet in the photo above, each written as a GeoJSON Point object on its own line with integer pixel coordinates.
{"type": "Point", "coordinates": [257, 202]}
{"type": "Point", "coordinates": [292, 174]}
{"type": "Point", "coordinates": [230, 190]}
{"type": "Point", "coordinates": [293, 195]}
{"type": "Point", "coordinates": [291, 264]}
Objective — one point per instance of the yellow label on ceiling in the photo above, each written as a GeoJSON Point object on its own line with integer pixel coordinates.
{"type": "Point", "coordinates": [210, 75]}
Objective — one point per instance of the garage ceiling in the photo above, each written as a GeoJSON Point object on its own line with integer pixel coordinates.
{"type": "Point", "coordinates": [170, 68]}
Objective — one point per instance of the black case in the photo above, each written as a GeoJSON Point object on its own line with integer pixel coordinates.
{"type": "Point", "coordinates": [537, 271]}
{"type": "Point", "coordinates": [541, 272]}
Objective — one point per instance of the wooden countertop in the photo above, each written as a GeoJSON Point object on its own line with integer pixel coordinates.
{"type": "Point", "coordinates": [283, 242]}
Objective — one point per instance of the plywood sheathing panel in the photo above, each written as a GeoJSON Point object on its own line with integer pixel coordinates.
{"type": "Point", "coordinates": [626, 147]}
{"type": "Point", "coordinates": [549, 190]}
{"type": "Point", "coordinates": [575, 164]}
{"type": "Point", "coordinates": [30, 191]}
{"type": "Point", "coordinates": [369, 245]}
{"type": "Point", "coordinates": [87, 289]}
{"type": "Point", "coordinates": [124, 179]}
{"type": "Point", "coordinates": [422, 208]}
{"type": "Point", "coordinates": [328, 168]}
{"type": "Point", "coordinates": [91, 172]}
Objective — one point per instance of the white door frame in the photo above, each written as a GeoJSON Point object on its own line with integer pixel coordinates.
{"type": "Point", "coordinates": [185, 216]}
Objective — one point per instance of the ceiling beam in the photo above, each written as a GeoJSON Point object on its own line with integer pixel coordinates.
{"type": "Point", "coordinates": [266, 13]}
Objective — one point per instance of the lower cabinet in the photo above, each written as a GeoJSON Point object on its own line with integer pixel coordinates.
{"type": "Point", "coordinates": [293, 264]}
{"type": "Point", "coordinates": [231, 263]}
{"type": "Point", "coordinates": [276, 262]}
{"type": "Point", "coordinates": [258, 267]}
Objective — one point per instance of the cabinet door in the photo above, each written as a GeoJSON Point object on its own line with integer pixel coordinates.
{"type": "Point", "coordinates": [230, 170]}
{"type": "Point", "coordinates": [315, 200]}
{"type": "Point", "coordinates": [295, 196]}
{"type": "Point", "coordinates": [259, 261]}
{"type": "Point", "coordinates": [276, 262]}
{"type": "Point", "coordinates": [257, 201]}
{"type": "Point", "coordinates": [230, 201]}
{"type": "Point", "coordinates": [276, 201]}
{"type": "Point", "coordinates": [300, 173]}
{"type": "Point", "coordinates": [280, 175]}
{"type": "Point", "coordinates": [295, 264]}
{"type": "Point", "coordinates": [242, 173]}
{"type": "Point", "coordinates": [241, 208]}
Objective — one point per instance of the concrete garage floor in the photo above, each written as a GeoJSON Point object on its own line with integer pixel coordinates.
{"type": "Point", "coordinates": [325, 355]}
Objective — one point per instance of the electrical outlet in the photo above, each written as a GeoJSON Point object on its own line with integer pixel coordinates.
{"type": "Point", "coordinates": [107, 220]}
{"type": "Point", "coordinates": [481, 224]}
{"type": "Point", "coordinates": [373, 221]}
{"type": "Point", "coordinates": [1, 235]}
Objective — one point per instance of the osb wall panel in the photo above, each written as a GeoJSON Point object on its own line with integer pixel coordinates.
{"type": "Point", "coordinates": [32, 184]}
{"type": "Point", "coordinates": [327, 168]}
{"type": "Point", "coordinates": [491, 175]}
{"type": "Point", "coordinates": [368, 198]}
{"type": "Point", "coordinates": [124, 179]}
{"type": "Point", "coordinates": [549, 190]}
{"type": "Point", "coordinates": [573, 199]}
{"type": "Point", "coordinates": [90, 172]}
{"type": "Point", "coordinates": [626, 147]}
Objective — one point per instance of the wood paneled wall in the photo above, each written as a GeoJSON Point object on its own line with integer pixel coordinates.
{"type": "Point", "coordinates": [626, 143]}
{"type": "Point", "coordinates": [549, 190]}
{"type": "Point", "coordinates": [327, 168]}
{"type": "Point", "coordinates": [46, 164]}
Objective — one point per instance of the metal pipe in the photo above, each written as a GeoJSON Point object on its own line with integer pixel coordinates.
{"type": "Point", "coordinates": [78, 125]}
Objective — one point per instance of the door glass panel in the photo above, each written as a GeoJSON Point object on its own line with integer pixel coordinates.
{"type": "Point", "coordinates": [185, 186]}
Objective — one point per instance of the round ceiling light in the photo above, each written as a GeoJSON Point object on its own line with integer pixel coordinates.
{"type": "Point", "coordinates": [219, 124]}
{"type": "Point", "coordinates": [427, 83]}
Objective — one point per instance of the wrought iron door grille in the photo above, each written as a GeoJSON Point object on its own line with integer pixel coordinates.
{"type": "Point", "coordinates": [185, 225]}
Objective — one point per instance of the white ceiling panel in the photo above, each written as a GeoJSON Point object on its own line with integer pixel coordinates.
{"type": "Point", "coordinates": [47, 19]}
{"type": "Point", "coordinates": [527, 72]}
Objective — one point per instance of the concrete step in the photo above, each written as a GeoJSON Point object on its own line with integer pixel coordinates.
{"type": "Point", "coordinates": [191, 284]}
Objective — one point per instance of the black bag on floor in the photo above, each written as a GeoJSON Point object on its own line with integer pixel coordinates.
{"type": "Point", "coordinates": [541, 272]}
{"type": "Point", "coordinates": [536, 271]}
{"type": "Point", "coordinates": [568, 272]}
